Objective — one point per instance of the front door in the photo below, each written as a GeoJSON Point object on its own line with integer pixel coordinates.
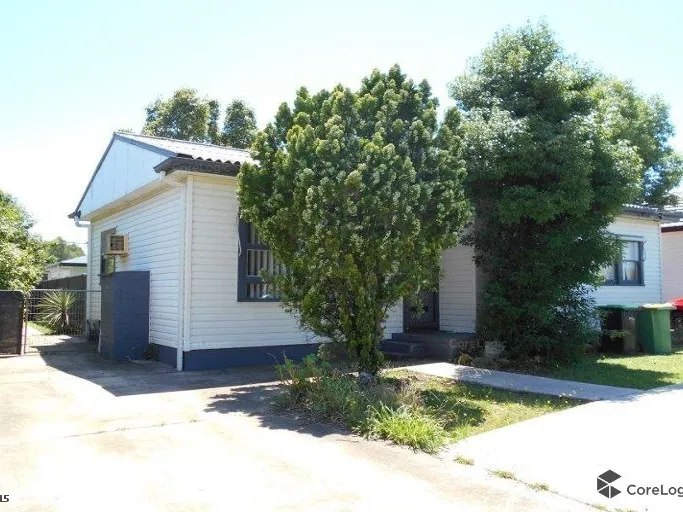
{"type": "Point", "coordinates": [422, 316]}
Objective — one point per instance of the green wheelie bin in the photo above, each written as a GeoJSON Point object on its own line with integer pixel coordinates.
{"type": "Point", "coordinates": [653, 323]}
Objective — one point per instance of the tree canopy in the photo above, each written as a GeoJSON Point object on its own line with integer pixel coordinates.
{"type": "Point", "coordinates": [239, 126]}
{"type": "Point", "coordinates": [548, 171]}
{"type": "Point", "coordinates": [357, 193]}
{"type": "Point", "coordinates": [21, 255]}
{"type": "Point", "coordinates": [187, 116]}
{"type": "Point", "coordinates": [59, 249]}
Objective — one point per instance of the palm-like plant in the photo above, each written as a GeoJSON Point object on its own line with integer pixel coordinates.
{"type": "Point", "coordinates": [54, 309]}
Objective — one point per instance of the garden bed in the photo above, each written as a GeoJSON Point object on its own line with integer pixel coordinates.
{"type": "Point", "coordinates": [419, 411]}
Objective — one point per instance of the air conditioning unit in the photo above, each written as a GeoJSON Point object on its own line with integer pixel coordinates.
{"type": "Point", "coordinates": [117, 245]}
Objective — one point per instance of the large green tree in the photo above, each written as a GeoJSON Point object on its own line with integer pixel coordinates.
{"type": "Point", "coordinates": [644, 123]}
{"type": "Point", "coordinates": [59, 249]}
{"type": "Point", "coordinates": [21, 254]}
{"type": "Point", "coordinates": [357, 193]}
{"type": "Point", "coordinates": [548, 172]}
{"type": "Point", "coordinates": [239, 125]}
{"type": "Point", "coordinates": [185, 115]}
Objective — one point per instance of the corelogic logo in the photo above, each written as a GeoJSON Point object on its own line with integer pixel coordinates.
{"type": "Point", "coordinates": [605, 482]}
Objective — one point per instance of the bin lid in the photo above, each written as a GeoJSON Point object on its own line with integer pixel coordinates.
{"type": "Point", "coordinates": [665, 306]}
{"type": "Point", "coordinates": [678, 303]}
{"type": "Point", "coordinates": [626, 306]}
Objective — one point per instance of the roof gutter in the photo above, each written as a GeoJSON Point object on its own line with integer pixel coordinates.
{"type": "Point", "coordinates": [179, 163]}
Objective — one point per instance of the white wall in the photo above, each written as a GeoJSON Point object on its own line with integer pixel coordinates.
{"type": "Point", "coordinates": [457, 291]}
{"type": "Point", "coordinates": [153, 226]}
{"type": "Point", "coordinates": [124, 169]}
{"type": "Point", "coordinates": [218, 320]}
{"type": "Point", "coordinates": [672, 265]}
{"type": "Point", "coordinates": [60, 272]}
{"type": "Point", "coordinates": [649, 232]}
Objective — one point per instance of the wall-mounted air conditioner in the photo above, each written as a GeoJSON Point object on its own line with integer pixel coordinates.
{"type": "Point", "coordinates": [117, 245]}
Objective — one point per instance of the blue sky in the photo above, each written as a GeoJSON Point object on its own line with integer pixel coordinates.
{"type": "Point", "coordinates": [75, 71]}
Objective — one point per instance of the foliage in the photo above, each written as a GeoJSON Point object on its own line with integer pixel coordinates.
{"type": "Point", "coordinates": [644, 122]}
{"type": "Point", "coordinates": [21, 255]}
{"type": "Point", "coordinates": [357, 193]}
{"type": "Point", "coordinates": [547, 176]}
{"type": "Point", "coordinates": [59, 249]}
{"type": "Point", "coordinates": [187, 116]}
{"type": "Point", "coordinates": [55, 310]}
{"type": "Point", "coordinates": [183, 116]}
{"type": "Point", "coordinates": [419, 411]}
{"type": "Point", "coordinates": [239, 126]}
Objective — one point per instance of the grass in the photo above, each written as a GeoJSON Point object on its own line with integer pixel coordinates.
{"type": "Point", "coordinates": [638, 371]}
{"type": "Point", "coordinates": [41, 328]}
{"type": "Point", "coordinates": [467, 409]}
{"type": "Point", "coordinates": [421, 412]}
{"type": "Point", "coordinates": [539, 487]}
{"type": "Point", "coordinates": [501, 473]}
{"type": "Point", "coordinates": [464, 461]}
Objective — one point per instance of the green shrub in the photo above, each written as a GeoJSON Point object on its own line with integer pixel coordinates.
{"type": "Point", "coordinates": [405, 425]}
{"type": "Point", "coordinates": [55, 310]}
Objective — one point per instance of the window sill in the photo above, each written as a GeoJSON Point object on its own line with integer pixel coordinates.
{"type": "Point", "coordinates": [259, 300]}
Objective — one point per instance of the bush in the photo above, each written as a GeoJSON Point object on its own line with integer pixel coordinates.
{"type": "Point", "coordinates": [405, 425]}
{"type": "Point", "coordinates": [55, 310]}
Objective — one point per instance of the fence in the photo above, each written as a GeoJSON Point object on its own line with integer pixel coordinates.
{"type": "Point", "coordinates": [11, 321]}
{"type": "Point", "coordinates": [57, 320]}
{"type": "Point", "coordinates": [64, 283]}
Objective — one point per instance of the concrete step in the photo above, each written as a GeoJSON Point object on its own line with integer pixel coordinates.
{"type": "Point", "coordinates": [438, 344]}
{"type": "Point", "coordinates": [402, 348]}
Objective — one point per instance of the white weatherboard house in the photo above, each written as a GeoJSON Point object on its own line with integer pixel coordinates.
{"type": "Point", "coordinates": [67, 268]}
{"type": "Point", "coordinates": [672, 259]}
{"type": "Point", "coordinates": [176, 203]}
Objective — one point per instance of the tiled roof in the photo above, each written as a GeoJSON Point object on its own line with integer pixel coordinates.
{"type": "Point", "coordinates": [183, 148]}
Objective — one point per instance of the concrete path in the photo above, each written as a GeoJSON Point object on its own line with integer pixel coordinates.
{"type": "Point", "coordinates": [638, 437]}
{"type": "Point", "coordinates": [520, 382]}
{"type": "Point", "coordinates": [80, 434]}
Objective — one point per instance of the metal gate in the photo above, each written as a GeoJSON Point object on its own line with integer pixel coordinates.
{"type": "Point", "coordinates": [57, 320]}
{"type": "Point", "coordinates": [11, 320]}
{"type": "Point", "coordinates": [424, 315]}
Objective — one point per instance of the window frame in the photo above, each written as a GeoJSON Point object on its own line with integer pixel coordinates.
{"type": "Point", "coordinates": [618, 266]}
{"type": "Point", "coordinates": [244, 280]}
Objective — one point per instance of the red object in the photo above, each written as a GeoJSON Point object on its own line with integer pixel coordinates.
{"type": "Point", "coordinates": [678, 303]}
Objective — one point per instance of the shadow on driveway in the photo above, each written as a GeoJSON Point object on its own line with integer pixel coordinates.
{"type": "Point", "coordinates": [124, 378]}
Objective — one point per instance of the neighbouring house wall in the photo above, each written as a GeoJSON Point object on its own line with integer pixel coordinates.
{"type": "Point", "coordinates": [651, 292]}
{"type": "Point", "coordinates": [672, 265]}
{"type": "Point", "coordinates": [153, 226]}
{"type": "Point", "coordinates": [60, 272]}
{"type": "Point", "coordinates": [457, 291]}
{"type": "Point", "coordinates": [125, 168]}
{"type": "Point", "coordinates": [217, 319]}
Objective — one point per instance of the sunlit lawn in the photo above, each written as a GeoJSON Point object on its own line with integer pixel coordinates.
{"type": "Point", "coordinates": [638, 371]}
{"type": "Point", "coordinates": [468, 409]}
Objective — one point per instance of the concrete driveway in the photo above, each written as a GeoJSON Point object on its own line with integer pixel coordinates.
{"type": "Point", "coordinates": [639, 437]}
{"type": "Point", "coordinates": [80, 434]}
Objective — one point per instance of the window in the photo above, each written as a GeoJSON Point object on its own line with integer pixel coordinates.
{"type": "Point", "coordinates": [628, 271]}
{"type": "Point", "coordinates": [253, 258]}
{"type": "Point", "coordinates": [107, 262]}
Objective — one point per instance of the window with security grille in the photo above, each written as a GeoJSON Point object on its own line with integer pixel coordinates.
{"type": "Point", "coordinates": [254, 260]}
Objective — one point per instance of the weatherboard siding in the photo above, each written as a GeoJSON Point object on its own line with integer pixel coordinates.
{"type": "Point", "coordinates": [672, 264]}
{"type": "Point", "coordinates": [124, 169]}
{"type": "Point", "coordinates": [648, 231]}
{"type": "Point", "coordinates": [153, 226]}
{"type": "Point", "coordinates": [218, 320]}
{"type": "Point", "coordinates": [457, 291]}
